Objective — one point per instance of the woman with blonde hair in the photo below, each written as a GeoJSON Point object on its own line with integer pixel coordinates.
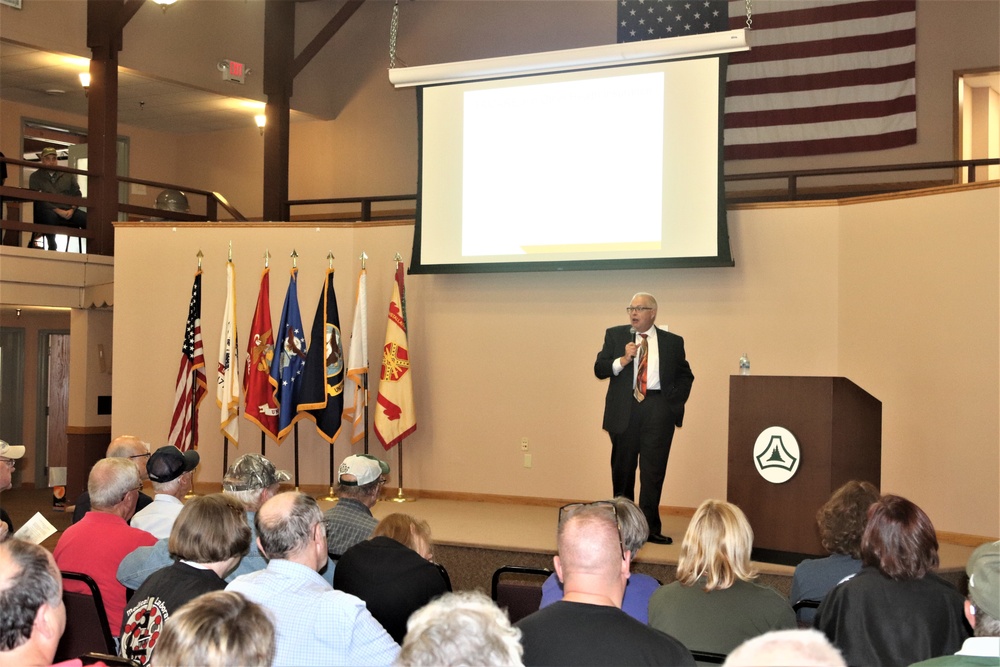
{"type": "Point", "coordinates": [218, 629]}
{"type": "Point", "coordinates": [714, 605]}
{"type": "Point", "coordinates": [392, 572]}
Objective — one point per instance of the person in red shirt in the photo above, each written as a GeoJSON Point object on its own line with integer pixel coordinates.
{"type": "Point", "coordinates": [97, 544]}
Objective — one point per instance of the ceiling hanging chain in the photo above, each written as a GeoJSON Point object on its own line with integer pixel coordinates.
{"type": "Point", "coordinates": [749, 14]}
{"type": "Point", "coordinates": [394, 29]}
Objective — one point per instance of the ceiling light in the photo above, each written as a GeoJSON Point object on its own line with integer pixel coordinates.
{"type": "Point", "coordinates": [261, 121]}
{"type": "Point", "coordinates": [85, 82]}
{"type": "Point", "coordinates": [164, 4]}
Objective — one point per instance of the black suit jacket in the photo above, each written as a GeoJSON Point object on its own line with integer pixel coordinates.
{"type": "Point", "coordinates": [675, 376]}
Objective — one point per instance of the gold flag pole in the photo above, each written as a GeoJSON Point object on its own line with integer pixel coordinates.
{"type": "Point", "coordinates": [330, 496]}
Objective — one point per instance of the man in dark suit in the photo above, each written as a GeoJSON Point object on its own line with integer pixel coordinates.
{"type": "Point", "coordinates": [649, 382]}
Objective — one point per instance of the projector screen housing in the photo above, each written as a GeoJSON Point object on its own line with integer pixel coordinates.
{"type": "Point", "coordinates": [581, 168]}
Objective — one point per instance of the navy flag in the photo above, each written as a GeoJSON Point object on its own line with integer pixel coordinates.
{"type": "Point", "coordinates": [287, 365]}
{"type": "Point", "coordinates": [321, 387]}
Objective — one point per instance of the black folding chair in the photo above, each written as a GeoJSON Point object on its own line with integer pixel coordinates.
{"type": "Point", "coordinates": [520, 593]}
{"type": "Point", "coordinates": [87, 629]}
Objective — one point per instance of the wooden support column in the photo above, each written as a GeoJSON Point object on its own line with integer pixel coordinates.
{"type": "Point", "coordinates": [279, 46]}
{"type": "Point", "coordinates": [104, 38]}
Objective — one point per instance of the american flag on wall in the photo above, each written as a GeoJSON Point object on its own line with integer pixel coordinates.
{"type": "Point", "coordinates": [190, 388]}
{"type": "Point", "coordinates": [822, 76]}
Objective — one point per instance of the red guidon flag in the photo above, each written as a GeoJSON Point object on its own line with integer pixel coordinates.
{"type": "Point", "coordinates": [395, 416]}
{"type": "Point", "coordinates": [261, 407]}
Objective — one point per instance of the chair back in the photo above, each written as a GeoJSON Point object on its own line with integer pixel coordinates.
{"type": "Point", "coordinates": [444, 575]}
{"type": "Point", "coordinates": [707, 657]}
{"type": "Point", "coordinates": [520, 593]}
{"type": "Point", "coordinates": [87, 629]}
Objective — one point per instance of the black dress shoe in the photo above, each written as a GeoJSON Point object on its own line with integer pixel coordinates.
{"type": "Point", "coordinates": [656, 538]}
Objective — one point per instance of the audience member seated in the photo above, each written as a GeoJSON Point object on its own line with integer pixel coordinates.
{"type": "Point", "coordinates": [315, 625]}
{"type": "Point", "coordinates": [786, 648]}
{"type": "Point", "coordinates": [359, 481]}
{"type": "Point", "coordinates": [53, 182]}
{"type": "Point", "coordinates": [841, 522]}
{"type": "Point", "coordinates": [588, 627]}
{"type": "Point", "coordinates": [896, 611]}
{"type": "Point", "coordinates": [714, 605]}
{"type": "Point", "coordinates": [392, 572]}
{"type": "Point", "coordinates": [9, 455]}
{"type": "Point", "coordinates": [210, 536]}
{"type": "Point", "coordinates": [459, 629]}
{"type": "Point", "coordinates": [220, 629]}
{"type": "Point", "coordinates": [982, 611]}
{"type": "Point", "coordinates": [635, 530]}
{"type": "Point", "coordinates": [122, 447]}
{"type": "Point", "coordinates": [251, 480]}
{"type": "Point", "coordinates": [172, 472]}
{"type": "Point", "coordinates": [97, 544]}
{"type": "Point", "coordinates": [32, 615]}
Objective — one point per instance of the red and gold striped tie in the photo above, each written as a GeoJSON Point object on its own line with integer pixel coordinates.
{"type": "Point", "coordinates": [640, 377]}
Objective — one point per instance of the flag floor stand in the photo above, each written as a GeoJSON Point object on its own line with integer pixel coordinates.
{"type": "Point", "coordinates": [400, 498]}
{"type": "Point", "coordinates": [330, 497]}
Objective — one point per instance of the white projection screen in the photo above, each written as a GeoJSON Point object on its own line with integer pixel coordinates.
{"type": "Point", "coordinates": [607, 167]}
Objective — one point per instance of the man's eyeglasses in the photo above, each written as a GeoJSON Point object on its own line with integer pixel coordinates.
{"type": "Point", "coordinates": [141, 456]}
{"type": "Point", "coordinates": [637, 309]}
{"type": "Point", "coordinates": [566, 511]}
{"type": "Point", "coordinates": [10, 462]}
{"type": "Point", "coordinates": [137, 489]}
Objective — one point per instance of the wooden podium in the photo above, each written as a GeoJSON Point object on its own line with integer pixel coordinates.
{"type": "Point", "coordinates": [838, 428]}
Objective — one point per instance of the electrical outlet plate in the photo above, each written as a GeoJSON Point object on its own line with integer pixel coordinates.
{"type": "Point", "coordinates": [524, 444]}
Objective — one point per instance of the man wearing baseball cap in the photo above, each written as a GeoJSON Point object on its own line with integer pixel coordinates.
{"type": "Point", "coordinates": [172, 473]}
{"type": "Point", "coordinates": [9, 455]}
{"type": "Point", "coordinates": [982, 610]}
{"type": "Point", "coordinates": [360, 478]}
{"type": "Point", "coordinates": [252, 480]}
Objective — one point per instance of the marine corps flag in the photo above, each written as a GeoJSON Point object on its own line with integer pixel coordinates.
{"type": "Point", "coordinates": [227, 394]}
{"type": "Point", "coordinates": [357, 363]}
{"type": "Point", "coordinates": [321, 387]}
{"type": "Point", "coordinates": [286, 367]}
{"type": "Point", "coordinates": [395, 417]}
{"type": "Point", "coordinates": [261, 408]}
{"type": "Point", "coordinates": [190, 388]}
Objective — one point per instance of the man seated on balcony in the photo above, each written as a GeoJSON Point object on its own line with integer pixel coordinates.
{"type": "Point", "coordinates": [57, 183]}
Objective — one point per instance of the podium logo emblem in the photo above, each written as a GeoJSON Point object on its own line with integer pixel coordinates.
{"type": "Point", "coordinates": [776, 455]}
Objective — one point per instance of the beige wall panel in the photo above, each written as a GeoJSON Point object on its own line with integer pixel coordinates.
{"type": "Point", "coordinates": [919, 330]}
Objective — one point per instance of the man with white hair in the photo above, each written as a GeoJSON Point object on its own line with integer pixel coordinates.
{"type": "Point", "coordinates": [123, 447]}
{"type": "Point", "coordinates": [464, 628]}
{"type": "Point", "coordinates": [32, 614]}
{"type": "Point", "coordinates": [787, 648]}
{"type": "Point", "coordinates": [588, 626]}
{"type": "Point", "coordinates": [97, 544]}
{"type": "Point", "coordinates": [172, 472]}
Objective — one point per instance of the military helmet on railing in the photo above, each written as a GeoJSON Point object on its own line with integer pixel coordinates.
{"type": "Point", "coordinates": [172, 200]}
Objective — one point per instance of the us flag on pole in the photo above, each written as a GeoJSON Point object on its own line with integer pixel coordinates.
{"type": "Point", "coordinates": [836, 76]}
{"type": "Point", "coordinates": [190, 388]}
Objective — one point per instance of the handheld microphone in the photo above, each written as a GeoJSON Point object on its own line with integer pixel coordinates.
{"type": "Point", "coordinates": [631, 330]}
